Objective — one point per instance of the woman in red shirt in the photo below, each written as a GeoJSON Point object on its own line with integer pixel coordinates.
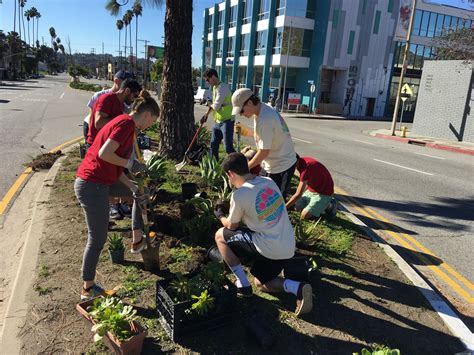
{"type": "Point", "coordinates": [102, 166]}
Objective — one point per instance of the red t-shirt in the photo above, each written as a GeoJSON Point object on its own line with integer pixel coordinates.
{"type": "Point", "coordinates": [109, 104]}
{"type": "Point", "coordinates": [318, 177]}
{"type": "Point", "coordinates": [121, 129]}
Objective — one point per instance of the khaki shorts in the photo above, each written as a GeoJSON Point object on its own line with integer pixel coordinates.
{"type": "Point", "coordinates": [313, 203]}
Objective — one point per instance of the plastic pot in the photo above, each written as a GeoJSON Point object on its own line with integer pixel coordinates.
{"type": "Point", "coordinates": [188, 190]}
{"type": "Point", "coordinates": [213, 254]}
{"type": "Point", "coordinates": [299, 269]}
{"type": "Point", "coordinates": [116, 256]}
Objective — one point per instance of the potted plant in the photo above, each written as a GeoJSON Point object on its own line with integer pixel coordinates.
{"type": "Point", "coordinates": [190, 303]}
{"type": "Point", "coordinates": [116, 248]}
{"type": "Point", "coordinates": [114, 323]}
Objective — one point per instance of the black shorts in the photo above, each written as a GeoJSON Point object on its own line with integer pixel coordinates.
{"type": "Point", "coordinates": [262, 268]}
{"type": "Point", "coordinates": [283, 179]}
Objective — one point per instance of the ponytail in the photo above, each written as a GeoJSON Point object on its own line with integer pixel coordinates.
{"type": "Point", "coordinates": [144, 102]}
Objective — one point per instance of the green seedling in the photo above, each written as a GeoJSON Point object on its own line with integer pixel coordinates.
{"type": "Point", "coordinates": [115, 242]}
{"type": "Point", "coordinates": [313, 265]}
{"type": "Point", "coordinates": [211, 170]}
{"type": "Point", "coordinates": [181, 288]}
{"type": "Point", "coordinates": [380, 350]}
{"type": "Point", "coordinates": [43, 270]}
{"type": "Point", "coordinates": [204, 303]}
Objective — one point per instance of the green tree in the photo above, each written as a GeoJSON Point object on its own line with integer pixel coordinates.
{"type": "Point", "coordinates": [137, 11]}
{"type": "Point", "coordinates": [455, 45]}
{"type": "Point", "coordinates": [76, 71]}
{"type": "Point", "coordinates": [156, 70]}
{"type": "Point", "coordinates": [37, 17]}
{"type": "Point", "coordinates": [125, 22]}
{"type": "Point", "coordinates": [21, 20]}
{"type": "Point", "coordinates": [129, 15]}
{"type": "Point", "coordinates": [52, 33]}
{"type": "Point", "coordinates": [119, 25]}
{"type": "Point", "coordinates": [28, 17]}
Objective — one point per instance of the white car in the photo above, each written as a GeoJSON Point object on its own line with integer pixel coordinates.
{"type": "Point", "coordinates": [202, 96]}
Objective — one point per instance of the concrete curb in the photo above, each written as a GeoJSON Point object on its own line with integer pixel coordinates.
{"type": "Point", "coordinates": [427, 144]}
{"type": "Point", "coordinates": [449, 317]}
{"type": "Point", "coordinates": [17, 307]}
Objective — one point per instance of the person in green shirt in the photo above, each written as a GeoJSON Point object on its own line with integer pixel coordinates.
{"type": "Point", "coordinates": [221, 110]}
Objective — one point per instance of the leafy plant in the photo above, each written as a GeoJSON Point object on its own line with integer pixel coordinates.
{"type": "Point", "coordinates": [204, 136]}
{"type": "Point", "coordinates": [156, 167]}
{"type": "Point", "coordinates": [214, 273]}
{"type": "Point", "coordinates": [181, 288]}
{"type": "Point", "coordinates": [204, 303]}
{"type": "Point", "coordinates": [379, 350]}
{"type": "Point", "coordinates": [305, 232]}
{"type": "Point", "coordinates": [183, 253]}
{"type": "Point", "coordinates": [224, 193]}
{"type": "Point", "coordinates": [313, 265]}
{"type": "Point", "coordinates": [115, 242]}
{"type": "Point", "coordinates": [211, 170]}
{"type": "Point", "coordinates": [111, 315]}
{"type": "Point", "coordinates": [203, 205]}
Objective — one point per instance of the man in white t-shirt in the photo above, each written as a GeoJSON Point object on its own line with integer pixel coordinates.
{"type": "Point", "coordinates": [267, 241]}
{"type": "Point", "coordinates": [119, 77]}
{"type": "Point", "coordinates": [276, 151]}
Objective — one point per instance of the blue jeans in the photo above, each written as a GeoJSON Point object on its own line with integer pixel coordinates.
{"type": "Point", "coordinates": [222, 130]}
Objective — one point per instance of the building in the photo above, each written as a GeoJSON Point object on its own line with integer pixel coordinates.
{"type": "Point", "coordinates": [346, 48]}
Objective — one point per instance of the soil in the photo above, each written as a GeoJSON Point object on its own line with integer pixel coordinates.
{"type": "Point", "coordinates": [45, 161]}
{"type": "Point", "coordinates": [362, 300]}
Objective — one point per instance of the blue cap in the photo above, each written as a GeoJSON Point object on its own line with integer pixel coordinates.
{"type": "Point", "coordinates": [122, 75]}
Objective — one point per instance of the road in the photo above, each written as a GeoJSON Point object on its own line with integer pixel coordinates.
{"type": "Point", "coordinates": [34, 113]}
{"type": "Point", "coordinates": [415, 197]}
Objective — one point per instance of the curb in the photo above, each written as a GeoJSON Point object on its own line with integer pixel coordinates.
{"type": "Point", "coordinates": [444, 311]}
{"type": "Point", "coordinates": [426, 144]}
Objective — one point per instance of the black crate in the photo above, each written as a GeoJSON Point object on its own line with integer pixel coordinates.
{"type": "Point", "coordinates": [178, 323]}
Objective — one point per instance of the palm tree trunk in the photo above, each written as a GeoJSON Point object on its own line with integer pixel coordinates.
{"type": "Point", "coordinates": [29, 43]}
{"type": "Point", "coordinates": [37, 26]}
{"type": "Point", "coordinates": [177, 117]}
{"type": "Point", "coordinates": [125, 53]}
{"type": "Point", "coordinates": [136, 44]}
{"type": "Point", "coordinates": [14, 16]}
{"type": "Point", "coordinates": [131, 47]}
{"type": "Point", "coordinates": [23, 21]}
{"type": "Point", "coordinates": [120, 57]}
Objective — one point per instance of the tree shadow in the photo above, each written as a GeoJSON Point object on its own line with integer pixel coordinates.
{"type": "Point", "coordinates": [377, 224]}
{"type": "Point", "coordinates": [2, 101]}
{"type": "Point", "coordinates": [449, 210]}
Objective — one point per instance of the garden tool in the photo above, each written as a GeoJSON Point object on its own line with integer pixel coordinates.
{"type": "Point", "coordinates": [238, 129]}
{"type": "Point", "coordinates": [183, 163]}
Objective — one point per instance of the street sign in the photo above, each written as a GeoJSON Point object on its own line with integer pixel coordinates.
{"type": "Point", "coordinates": [406, 89]}
{"type": "Point", "coordinates": [294, 99]}
{"type": "Point", "coordinates": [312, 88]}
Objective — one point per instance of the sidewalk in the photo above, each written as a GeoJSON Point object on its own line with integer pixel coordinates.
{"type": "Point", "coordinates": [429, 142]}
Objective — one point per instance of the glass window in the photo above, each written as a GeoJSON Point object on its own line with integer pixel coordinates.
{"type": "Point", "coordinates": [220, 21]}
{"type": "Point", "coordinates": [242, 75]}
{"type": "Point", "coordinates": [417, 22]}
{"type": "Point", "coordinates": [467, 23]}
{"type": "Point", "coordinates": [219, 48]}
{"type": "Point", "coordinates": [298, 8]}
{"type": "Point", "coordinates": [247, 13]}
{"type": "Point", "coordinates": [231, 46]}
{"type": "Point", "coordinates": [245, 45]}
{"type": "Point", "coordinates": [439, 25]}
{"type": "Point", "coordinates": [431, 25]}
{"type": "Point", "coordinates": [261, 42]}
{"type": "Point", "coordinates": [264, 10]}
{"type": "Point", "coordinates": [311, 10]}
{"type": "Point", "coordinates": [364, 6]}
{"type": "Point", "coordinates": [281, 4]}
{"type": "Point", "coordinates": [376, 22]}
{"type": "Point", "coordinates": [419, 57]}
{"type": "Point", "coordinates": [335, 18]}
{"type": "Point", "coordinates": [390, 6]}
{"type": "Point", "coordinates": [233, 17]}
{"type": "Point", "coordinates": [228, 74]}
{"type": "Point", "coordinates": [350, 45]}
{"type": "Point", "coordinates": [211, 22]}
{"type": "Point", "coordinates": [447, 23]}
{"type": "Point", "coordinates": [277, 40]}
{"type": "Point", "coordinates": [411, 56]}
{"type": "Point", "coordinates": [424, 23]}
{"type": "Point", "coordinates": [307, 43]}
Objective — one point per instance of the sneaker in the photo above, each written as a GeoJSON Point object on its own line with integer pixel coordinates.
{"type": "Point", "coordinates": [331, 210]}
{"type": "Point", "coordinates": [244, 292]}
{"type": "Point", "coordinates": [304, 300]}
{"type": "Point", "coordinates": [124, 209]}
{"type": "Point", "coordinates": [94, 291]}
{"type": "Point", "coordinates": [138, 247]}
{"type": "Point", "coordinates": [115, 213]}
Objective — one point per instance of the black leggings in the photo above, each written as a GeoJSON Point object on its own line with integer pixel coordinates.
{"type": "Point", "coordinates": [283, 179]}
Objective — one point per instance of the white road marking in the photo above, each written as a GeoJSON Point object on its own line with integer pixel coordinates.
{"type": "Point", "coordinates": [61, 96]}
{"type": "Point", "coordinates": [431, 156]}
{"type": "Point", "coordinates": [355, 140]}
{"type": "Point", "coordinates": [34, 100]}
{"type": "Point", "coordinates": [301, 140]}
{"type": "Point", "coordinates": [403, 167]}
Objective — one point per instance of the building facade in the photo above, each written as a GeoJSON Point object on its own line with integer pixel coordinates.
{"type": "Point", "coordinates": [346, 48]}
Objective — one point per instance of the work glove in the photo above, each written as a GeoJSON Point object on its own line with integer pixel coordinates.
{"type": "Point", "coordinates": [219, 213]}
{"type": "Point", "coordinates": [237, 128]}
{"type": "Point", "coordinates": [203, 119]}
{"type": "Point", "coordinates": [137, 168]}
{"type": "Point", "coordinates": [141, 199]}
{"type": "Point", "coordinates": [221, 208]}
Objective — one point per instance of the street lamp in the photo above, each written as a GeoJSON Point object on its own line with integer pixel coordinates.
{"type": "Point", "coordinates": [145, 69]}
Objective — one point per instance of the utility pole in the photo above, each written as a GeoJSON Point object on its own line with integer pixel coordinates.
{"type": "Point", "coordinates": [404, 68]}
{"type": "Point", "coordinates": [145, 69]}
{"type": "Point", "coordinates": [286, 66]}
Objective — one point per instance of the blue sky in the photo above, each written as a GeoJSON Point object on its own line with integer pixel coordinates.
{"type": "Point", "coordinates": [88, 24]}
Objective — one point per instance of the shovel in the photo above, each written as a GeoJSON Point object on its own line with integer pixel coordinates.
{"type": "Point", "coordinates": [183, 163]}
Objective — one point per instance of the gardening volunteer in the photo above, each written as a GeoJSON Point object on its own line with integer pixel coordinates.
{"type": "Point", "coordinates": [102, 166]}
{"type": "Point", "coordinates": [267, 240]}
{"type": "Point", "coordinates": [275, 149]}
{"type": "Point", "coordinates": [221, 109]}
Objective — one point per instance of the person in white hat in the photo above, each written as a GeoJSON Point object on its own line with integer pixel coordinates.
{"type": "Point", "coordinates": [275, 149]}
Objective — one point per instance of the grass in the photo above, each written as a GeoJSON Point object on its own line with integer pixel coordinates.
{"type": "Point", "coordinates": [85, 86]}
{"type": "Point", "coordinates": [134, 283]}
{"type": "Point", "coordinates": [42, 291]}
{"type": "Point", "coordinates": [343, 274]}
{"type": "Point", "coordinates": [43, 270]}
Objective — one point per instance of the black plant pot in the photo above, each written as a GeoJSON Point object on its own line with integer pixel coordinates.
{"type": "Point", "coordinates": [116, 256]}
{"type": "Point", "coordinates": [298, 268]}
{"type": "Point", "coordinates": [213, 254]}
{"type": "Point", "coordinates": [188, 190]}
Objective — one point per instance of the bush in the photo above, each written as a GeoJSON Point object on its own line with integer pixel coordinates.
{"type": "Point", "coordinates": [85, 86]}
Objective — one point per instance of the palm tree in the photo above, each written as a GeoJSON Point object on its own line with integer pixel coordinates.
{"type": "Point", "coordinates": [22, 4]}
{"type": "Point", "coordinates": [38, 15]}
{"type": "Point", "coordinates": [129, 14]}
{"type": "Point", "coordinates": [137, 11]}
{"type": "Point", "coordinates": [52, 33]}
{"type": "Point", "coordinates": [119, 25]}
{"type": "Point", "coordinates": [28, 17]}
{"type": "Point", "coordinates": [125, 22]}
{"type": "Point", "coordinates": [61, 48]}
{"type": "Point", "coordinates": [14, 16]}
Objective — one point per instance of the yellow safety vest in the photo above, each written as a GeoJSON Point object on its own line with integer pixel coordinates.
{"type": "Point", "coordinates": [225, 112]}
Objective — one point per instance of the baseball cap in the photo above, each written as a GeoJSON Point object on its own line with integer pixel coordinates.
{"type": "Point", "coordinates": [238, 99]}
{"type": "Point", "coordinates": [123, 74]}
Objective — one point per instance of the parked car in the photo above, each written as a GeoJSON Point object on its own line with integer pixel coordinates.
{"type": "Point", "coordinates": [202, 96]}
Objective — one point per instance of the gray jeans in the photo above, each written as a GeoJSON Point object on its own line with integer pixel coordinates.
{"type": "Point", "coordinates": [94, 200]}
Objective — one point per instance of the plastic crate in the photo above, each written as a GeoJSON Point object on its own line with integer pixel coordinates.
{"type": "Point", "coordinates": [177, 323]}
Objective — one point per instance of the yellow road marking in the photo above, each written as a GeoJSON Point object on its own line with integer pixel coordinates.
{"type": "Point", "coordinates": [399, 237]}
{"type": "Point", "coordinates": [19, 181]}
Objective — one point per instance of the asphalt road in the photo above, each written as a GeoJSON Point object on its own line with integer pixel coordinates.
{"type": "Point", "coordinates": [423, 194]}
{"type": "Point", "coordinates": [34, 113]}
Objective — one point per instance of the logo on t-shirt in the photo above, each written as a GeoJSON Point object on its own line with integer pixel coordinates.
{"type": "Point", "coordinates": [284, 126]}
{"type": "Point", "coordinates": [269, 206]}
